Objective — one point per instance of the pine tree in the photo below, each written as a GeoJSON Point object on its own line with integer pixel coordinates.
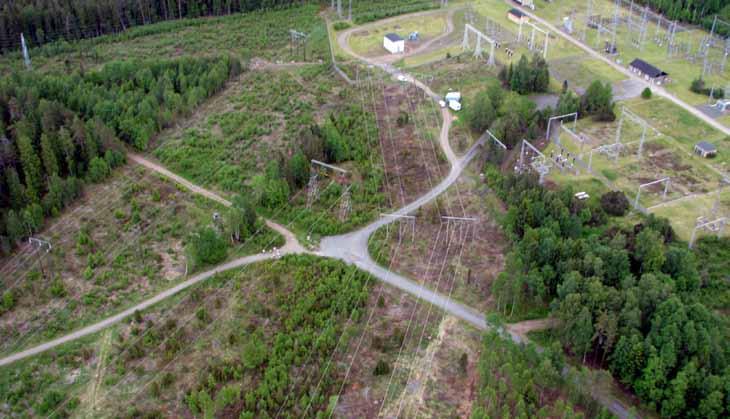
{"type": "Point", "coordinates": [31, 168]}
{"type": "Point", "coordinates": [15, 189]}
{"type": "Point", "coordinates": [14, 226]}
{"type": "Point", "coordinates": [50, 163]}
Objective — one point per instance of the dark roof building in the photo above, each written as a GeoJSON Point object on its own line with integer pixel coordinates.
{"type": "Point", "coordinates": [394, 37]}
{"type": "Point", "coordinates": [705, 149]}
{"type": "Point", "coordinates": [516, 12]}
{"type": "Point", "coordinates": [647, 70]}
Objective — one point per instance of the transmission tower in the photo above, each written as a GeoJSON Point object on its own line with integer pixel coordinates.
{"type": "Point", "coordinates": [342, 176]}
{"type": "Point", "coordinates": [666, 181]}
{"type": "Point", "coordinates": [299, 40]}
{"type": "Point", "coordinates": [538, 162]}
{"type": "Point", "coordinates": [345, 204]}
{"type": "Point", "coordinates": [478, 48]}
{"type": "Point", "coordinates": [312, 188]}
{"type": "Point", "coordinates": [405, 222]}
{"type": "Point", "coordinates": [40, 244]}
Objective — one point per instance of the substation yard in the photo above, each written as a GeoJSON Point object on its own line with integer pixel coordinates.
{"type": "Point", "coordinates": [680, 64]}
{"type": "Point", "coordinates": [666, 153]}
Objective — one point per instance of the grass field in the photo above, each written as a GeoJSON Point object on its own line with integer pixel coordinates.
{"type": "Point", "coordinates": [124, 241]}
{"type": "Point", "coordinates": [369, 42]}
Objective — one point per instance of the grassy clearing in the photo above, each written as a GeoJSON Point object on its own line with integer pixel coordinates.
{"type": "Point", "coordinates": [684, 213]}
{"type": "Point", "coordinates": [125, 241]}
{"type": "Point", "coordinates": [683, 127]}
{"type": "Point", "coordinates": [255, 34]}
{"type": "Point", "coordinates": [580, 71]}
{"type": "Point", "coordinates": [369, 42]}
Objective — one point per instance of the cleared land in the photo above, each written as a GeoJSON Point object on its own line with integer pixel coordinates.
{"type": "Point", "coordinates": [268, 115]}
{"type": "Point", "coordinates": [212, 350]}
{"type": "Point", "coordinates": [124, 241]}
{"type": "Point", "coordinates": [247, 35]}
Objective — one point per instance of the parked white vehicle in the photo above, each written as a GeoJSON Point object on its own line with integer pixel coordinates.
{"type": "Point", "coordinates": [454, 105]}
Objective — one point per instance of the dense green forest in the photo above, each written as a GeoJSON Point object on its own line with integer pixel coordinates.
{"type": "Point", "coordinates": [57, 130]}
{"type": "Point", "coordinates": [519, 382]}
{"type": "Point", "coordinates": [691, 11]}
{"type": "Point", "coordinates": [629, 298]}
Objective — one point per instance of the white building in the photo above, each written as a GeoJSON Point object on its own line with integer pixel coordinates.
{"type": "Point", "coordinates": [453, 96]}
{"type": "Point", "coordinates": [394, 43]}
{"type": "Point", "coordinates": [454, 105]}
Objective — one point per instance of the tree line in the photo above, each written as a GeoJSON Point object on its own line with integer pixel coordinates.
{"type": "Point", "coordinates": [700, 12]}
{"type": "Point", "coordinates": [43, 21]}
{"type": "Point", "coordinates": [58, 130]}
{"type": "Point", "coordinates": [519, 382]}
{"type": "Point", "coordinates": [628, 297]}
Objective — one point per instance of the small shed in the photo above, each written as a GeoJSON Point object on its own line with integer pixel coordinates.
{"type": "Point", "coordinates": [394, 43]}
{"type": "Point", "coordinates": [517, 16]}
{"type": "Point", "coordinates": [648, 71]}
{"type": "Point", "coordinates": [705, 149]}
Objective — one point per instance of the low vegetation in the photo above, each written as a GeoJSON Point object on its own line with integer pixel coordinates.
{"type": "Point", "coordinates": [277, 122]}
{"type": "Point", "coordinates": [249, 343]}
{"type": "Point", "coordinates": [123, 241]}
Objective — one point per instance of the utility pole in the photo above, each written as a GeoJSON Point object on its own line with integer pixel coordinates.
{"type": "Point", "coordinates": [41, 244]}
{"type": "Point", "coordinates": [410, 221]}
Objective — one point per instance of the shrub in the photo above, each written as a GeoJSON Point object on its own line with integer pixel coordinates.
{"type": "Point", "coordinates": [698, 86]}
{"type": "Point", "coordinates": [8, 301]}
{"type": "Point", "coordinates": [98, 170]}
{"type": "Point", "coordinates": [403, 118]}
{"type": "Point", "coordinates": [207, 247]}
{"type": "Point", "coordinates": [57, 288]}
{"type": "Point", "coordinates": [646, 93]}
{"type": "Point", "coordinates": [381, 368]}
{"type": "Point", "coordinates": [615, 203]}
{"type": "Point", "coordinates": [341, 25]}
{"type": "Point", "coordinates": [463, 362]}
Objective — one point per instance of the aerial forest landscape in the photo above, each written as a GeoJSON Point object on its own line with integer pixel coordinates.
{"type": "Point", "coordinates": [364, 209]}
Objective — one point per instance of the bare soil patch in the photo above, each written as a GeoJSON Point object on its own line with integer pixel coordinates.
{"type": "Point", "coordinates": [413, 162]}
